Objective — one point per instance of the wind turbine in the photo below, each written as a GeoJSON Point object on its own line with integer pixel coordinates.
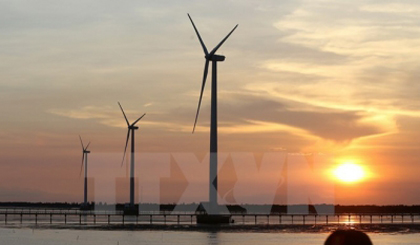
{"type": "Point", "coordinates": [85, 163]}
{"type": "Point", "coordinates": [131, 128]}
{"type": "Point", "coordinates": [214, 58]}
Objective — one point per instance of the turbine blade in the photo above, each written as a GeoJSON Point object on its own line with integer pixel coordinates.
{"type": "Point", "coordinates": [206, 70]}
{"type": "Point", "coordinates": [199, 37]}
{"type": "Point", "coordinates": [81, 168]}
{"type": "Point", "coordinates": [126, 144]}
{"type": "Point", "coordinates": [221, 43]}
{"type": "Point", "coordinates": [81, 142]}
{"type": "Point", "coordinates": [128, 124]}
{"type": "Point", "coordinates": [87, 146]}
{"type": "Point", "coordinates": [134, 123]}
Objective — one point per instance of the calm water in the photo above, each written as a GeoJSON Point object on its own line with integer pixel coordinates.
{"type": "Point", "coordinates": [26, 236]}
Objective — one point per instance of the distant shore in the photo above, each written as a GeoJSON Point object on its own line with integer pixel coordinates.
{"type": "Point", "coordinates": [243, 208]}
{"type": "Point", "coordinates": [322, 228]}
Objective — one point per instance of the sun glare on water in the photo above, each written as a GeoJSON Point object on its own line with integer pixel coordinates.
{"type": "Point", "coordinates": [349, 172]}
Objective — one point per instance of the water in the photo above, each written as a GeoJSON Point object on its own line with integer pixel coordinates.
{"type": "Point", "coordinates": [27, 236]}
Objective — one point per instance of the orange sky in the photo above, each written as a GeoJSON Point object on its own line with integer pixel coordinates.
{"type": "Point", "coordinates": [311, 76]}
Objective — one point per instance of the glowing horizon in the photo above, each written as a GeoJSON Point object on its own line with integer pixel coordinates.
{"type": "Point", "coordinates": [309, 76]}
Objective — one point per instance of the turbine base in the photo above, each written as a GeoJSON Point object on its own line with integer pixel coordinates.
{"type": "Point", "coordinates": [131, 210]}
{"type": "Point", "coordinates": [214, 219]}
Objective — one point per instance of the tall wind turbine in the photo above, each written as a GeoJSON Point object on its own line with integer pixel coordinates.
{"type": "Point", "coordinates": [85, 163]}
{"type": "Point", "coordinates": [214, 58]}
{"type": "Point", "coordinates": [131, 129]}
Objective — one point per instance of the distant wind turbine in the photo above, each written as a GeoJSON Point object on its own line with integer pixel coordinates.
{"type": "Point", "coordinates": [85, 163]}
{"type": "Point", "coordinates": [214, 58]}
{"type": "Point", "coordinates": [131, 128]}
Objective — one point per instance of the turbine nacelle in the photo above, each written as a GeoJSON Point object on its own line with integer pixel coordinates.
{"type": "Point", "coordinates": [132, 127]}
{"type": "Point", "coordinates": [215, 57]}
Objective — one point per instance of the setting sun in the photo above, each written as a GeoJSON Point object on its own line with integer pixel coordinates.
{"type": "Point", "coordinates": [349, 172]}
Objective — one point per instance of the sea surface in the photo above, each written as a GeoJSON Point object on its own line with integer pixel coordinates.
{"type": "Point", "coordinates": [40, 236]}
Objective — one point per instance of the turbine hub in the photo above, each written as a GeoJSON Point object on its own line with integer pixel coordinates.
{"type": "Point", "coordinates": [133, 127]}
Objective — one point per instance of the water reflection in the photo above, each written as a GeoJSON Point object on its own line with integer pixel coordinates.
{"type": "Point", "coordinates": [349, 220]}
{"type": "Point", "coordinates": [213, 238]}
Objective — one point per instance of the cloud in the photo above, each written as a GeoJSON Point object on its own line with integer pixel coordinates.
{"type": "Point", "coordinates": [336, 125]}
{"type": "Point", "coordinates": [392, 8]}
{"type": "Point", "coordinates": [87, 112]}
{"type": "Point", "coordinates": [345, 29]}
{"type": "Point", "coordinates": [377, 68]}
{"type": "Point", "coordinates": [108, 116]}
{"type": "Point", "coordinates": [247, 113]}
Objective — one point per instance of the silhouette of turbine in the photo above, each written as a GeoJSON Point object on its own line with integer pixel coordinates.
{"type": "Point", "coordinates": [85, 163]}
{"type": "Point", "coordinates": [214, 58]}
{"type": "Point", "coordinates": [131, 128]}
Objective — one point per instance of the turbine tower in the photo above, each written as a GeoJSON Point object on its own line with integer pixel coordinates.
{"type": "Point", "coordinates": [85, 163]}
{"type": "Point", "coordinates": [214, 58]}
{"type": "Point", "coordinates": [131, 129]}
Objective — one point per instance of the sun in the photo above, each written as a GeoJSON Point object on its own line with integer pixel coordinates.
{"type": "Point", "coordinates": [349, 172]}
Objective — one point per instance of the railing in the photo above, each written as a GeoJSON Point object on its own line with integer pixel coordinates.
{"type": "Point", "coordinates": [314, 219]}
{"type": "Point", "coordinates": [97, 217]}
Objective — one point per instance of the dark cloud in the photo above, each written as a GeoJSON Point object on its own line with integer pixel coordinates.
{"type": "Point", "coordinates": [234, 109]}
{"type": "Point", "coordinates": [327, 124]}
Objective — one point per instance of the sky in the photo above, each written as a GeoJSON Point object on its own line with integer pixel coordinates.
{"type": "Point", "coordinates": [338, 78]}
